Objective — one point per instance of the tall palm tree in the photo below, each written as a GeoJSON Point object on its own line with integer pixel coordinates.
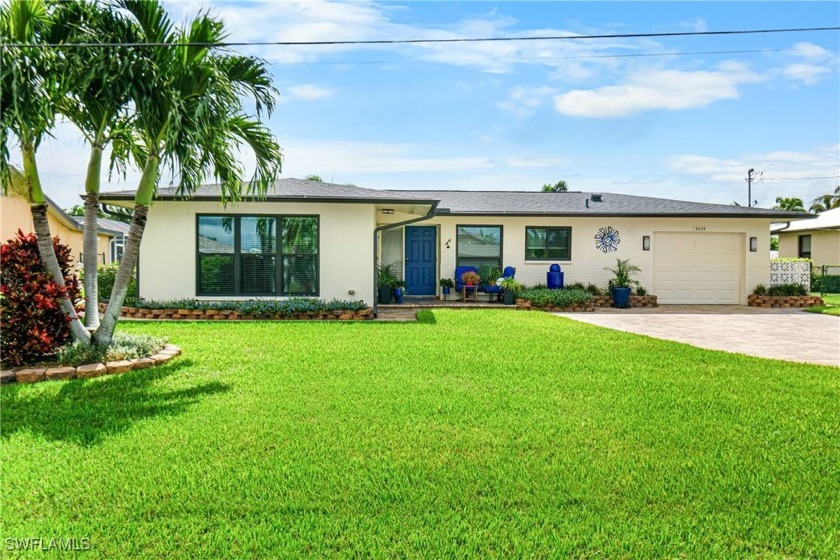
{"type": "Point", "coordinates": [32, 80]}
{"type": "Point", "coordinates": [97, 104]}
{"type": "Point", "coordinates": [559, 186]}
{"type": "Point", "coordinates": [826, 202]}
{"type": "Point", "coordinates": [189, 117]}
{"type": "Point", "coordinates": [790, 204]}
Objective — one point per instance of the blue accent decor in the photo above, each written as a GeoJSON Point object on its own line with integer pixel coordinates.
{"type": "Point", "coordinates": [621, 297]}
{"type": "Point", "coordinates": [492, 288]}
{"type": "Point", "coordinates": [607, 239]}
{"type": "Point", "coordinates": [459, 271]}
{"type": "Point", "coordinates": [554, 277]}
{"type": "Point", "coordinates": [420, 260]}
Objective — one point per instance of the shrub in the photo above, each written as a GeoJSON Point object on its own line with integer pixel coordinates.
{"type": "Point", "coordinates": [641, 291]}
{"type": "Point", "coordinates": [760, 290]}
{"type": "Point", "coordinates": [556, 298]}
{"type": "Point", "coordinates": [106, 275]}
{"type": "Point", "coordinates": [594, 290]}
{"type": "Point", "coordinates": [575, 286]}
{"type": "Point", "coordinates": [34, 325]}
{"type": "Point", "coordinates": [787, 290]}
{"type": "Point", "coordinates": [287, 307]}
{"type": "Point", "coordinates": [123, 347]}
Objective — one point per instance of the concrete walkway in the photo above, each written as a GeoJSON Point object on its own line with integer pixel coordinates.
{"type": "Point", "coordinates": [783, 334]}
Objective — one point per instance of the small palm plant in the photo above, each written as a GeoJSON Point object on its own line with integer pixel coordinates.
{"type": "Point", "coordinates": [622, 274]}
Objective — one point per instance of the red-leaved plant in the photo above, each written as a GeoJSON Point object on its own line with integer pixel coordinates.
{"type": "Point", "coordinates": [32, 323]}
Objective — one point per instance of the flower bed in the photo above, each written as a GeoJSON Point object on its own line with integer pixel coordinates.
{"type": "Point", "coordinates": [574, 300]}
{"type": "Point", "coordinates": [294, 309]}
{"type": "Point", "coordinates": [784, 301]}
{"type": "Point", "coordinates": [35, 374]}
{"type": "Point", "coordinates": [606, 300]}
{"type": "Point", "coordinates": [573, 308]}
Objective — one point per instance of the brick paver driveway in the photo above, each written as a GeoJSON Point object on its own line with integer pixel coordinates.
{"type": "Point", "coordinates": [784, 334]}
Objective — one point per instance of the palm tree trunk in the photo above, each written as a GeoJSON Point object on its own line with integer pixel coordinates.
{"type": "Point", "coordinates": [50, 262]}
{"type": "Point", "coordinates": [105, 333]}
{"type": "Point", "coordinates": [38, 208]}
{"type": "Point", "coordinates": [94, 171]}
{"type": "Point", "coordinates": [91, 264]}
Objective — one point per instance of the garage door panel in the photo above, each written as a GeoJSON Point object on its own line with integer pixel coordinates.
{"type": "Point", "coordinates": [698, 267]}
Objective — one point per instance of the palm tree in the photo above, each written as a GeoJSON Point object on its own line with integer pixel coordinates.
{"type": "Point", "coordinates": [97, 104]}
{"type": "Point", "coordinates": [559, 186]}
{"type": "Point", "coordinates": [790, 204]}
{"type": "Point", "coordinates": [32, 80]}
{"type": "Point", "coordinates": [189, 117]}
{"type": "Point", "coordinates": [826, 202]}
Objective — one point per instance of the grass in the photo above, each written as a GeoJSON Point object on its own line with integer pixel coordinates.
{"type": "Point", "coordinates": [831, 307]}
{"type": "Point", "coordinates": [489, 433]}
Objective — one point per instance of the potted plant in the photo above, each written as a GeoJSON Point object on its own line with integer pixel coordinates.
{"type": "Point", "coordinates": [446, 285]}
{"type": "Point", "coordinates": [621, 282]}
{"type": "Point", "coordinates": [399, 291]}
{"type": "Point", "coordinates": [510, 286]}
{"type": "Point", "coordinates": [386, 281]}
{"type": "Point", "coordinates": [489, 274]}
{"type": "Point", "coordinates": [470, 278]}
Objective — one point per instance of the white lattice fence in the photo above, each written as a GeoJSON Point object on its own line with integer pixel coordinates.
{"type": "Point", "coordinates": [790, 272]}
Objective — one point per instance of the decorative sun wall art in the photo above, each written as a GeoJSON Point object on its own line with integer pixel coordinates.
{"type": "Point", "coordinates": [607, 239]}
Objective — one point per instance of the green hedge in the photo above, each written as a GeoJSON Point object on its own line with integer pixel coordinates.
{"type": "Point", "coordinates": [287, 307]}
{"type": "Point", "coordinates": [106, 275]}
{"type": "Point", "coordinates": [558, 298]}
{"type": "Point", "coordinates": [787, 290]}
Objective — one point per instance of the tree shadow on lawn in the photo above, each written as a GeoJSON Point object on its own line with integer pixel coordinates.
{"type": "Point", "coordinates": [86, 411]}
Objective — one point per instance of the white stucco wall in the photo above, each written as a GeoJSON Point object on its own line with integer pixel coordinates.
{"type": "Point", "coordinates": [168, 249]}
{"type": "Point", "coordinates": [587, 264]}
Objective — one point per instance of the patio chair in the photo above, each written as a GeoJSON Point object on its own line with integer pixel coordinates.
{"type": "Point", "coordinates": [495, 289]}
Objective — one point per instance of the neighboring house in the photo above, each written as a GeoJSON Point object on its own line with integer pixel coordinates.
{"type": "Point", "coordinates": [16, 215]}
{"type": "Point", "coordinates": [116, 231]}
{"type": "Point", "coordinates": [817, 239]}
{"type": "Point", "coordinates": [322, 240]}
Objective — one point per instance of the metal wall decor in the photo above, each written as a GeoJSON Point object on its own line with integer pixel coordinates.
{"type": "Point", "coordinates": [607, 239]}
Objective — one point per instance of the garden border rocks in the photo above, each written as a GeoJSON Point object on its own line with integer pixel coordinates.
{"type": "Point", "coordinates": [87, 371]}
{"type": "Point", "coordinates": [784, 301]}
{"type": "Point", "coordinates": [595, 302]}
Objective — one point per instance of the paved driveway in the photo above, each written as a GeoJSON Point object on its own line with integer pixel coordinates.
{"type": "Point", "coordinates": [784, 334]}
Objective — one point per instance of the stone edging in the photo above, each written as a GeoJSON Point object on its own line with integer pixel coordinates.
{"type": "Point", "coordinates": [232, 315]}
{"type": "Point", "coordinates": [595, 302]}
{"type": "Point", "coordinates": [33, 375]}
{"type": "Point", "coordinates": [784, 301]}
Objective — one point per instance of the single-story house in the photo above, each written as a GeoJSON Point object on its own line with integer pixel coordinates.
{"type": "Point", "coordinates": [15, 214]}
{"type": "Point", "coordinates": [817, 239]}
{"type": "Point", "coordinates": [116, 230]}
{"type": "Point", "coordinates": [308, 238]}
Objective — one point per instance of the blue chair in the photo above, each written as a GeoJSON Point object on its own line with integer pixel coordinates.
{"type": "Point", "coordinates": [459, 271]}
{"type": "Point", "coordinates": [492, 288]}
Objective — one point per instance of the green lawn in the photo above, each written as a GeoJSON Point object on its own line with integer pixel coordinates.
{"type": "Point", "coordinates": [831, 307]}
{"type": "Point", "coordinates": [470, 434]}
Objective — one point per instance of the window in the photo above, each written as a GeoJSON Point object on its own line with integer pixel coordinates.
{"type": "Point", "coordinates": [804, 246]}
{"type": "Point", "coordinates": [479, 246]}
{"type": "Point", "coordinates": [548, 244]}
{"type": "Point", "coordinates": [241, 255]}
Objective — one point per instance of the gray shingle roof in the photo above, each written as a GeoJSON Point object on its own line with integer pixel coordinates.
{"type": "Point", "coordinates": [291, 190]}
{"type": "Point", "coordinates": [491, 203]}
{"type": "Point", "coordinates": [526, 203]}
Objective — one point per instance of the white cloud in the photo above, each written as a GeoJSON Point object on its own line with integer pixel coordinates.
{"type": "Point", "coordinates": [308, 92]}
{"type": "Point", "coordinates": [651, 90]}
{"type": "Point", "coordinates": [809, 51]}
{"type": "Point", "coordinates": [781, 173]}
{"type": "Point", "coordinates": [524, 101]}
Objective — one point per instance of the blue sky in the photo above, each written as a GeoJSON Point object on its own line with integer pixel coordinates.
{"type": "Point", "coordinates": [515, 115]}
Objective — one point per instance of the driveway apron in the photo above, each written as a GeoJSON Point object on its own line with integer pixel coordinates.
{"type": "Point", "coordinates": [782, 334]}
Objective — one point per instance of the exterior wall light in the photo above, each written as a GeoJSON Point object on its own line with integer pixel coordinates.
{"type": "Point", "coordinates": [646, 243]}
{"type": "Point", "coordinates": [753, 244]}
{"type": "Point", "coordinates": [387, 210]}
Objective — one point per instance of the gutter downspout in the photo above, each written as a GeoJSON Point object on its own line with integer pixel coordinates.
{"type": "Point", "coordinates": [430, 214]}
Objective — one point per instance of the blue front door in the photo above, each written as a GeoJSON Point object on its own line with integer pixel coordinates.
{"type": "Point", "coordinates": [420, 260]}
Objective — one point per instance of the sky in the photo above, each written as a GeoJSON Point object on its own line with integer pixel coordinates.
{"type": "Point", "coordinates": [679, 117]}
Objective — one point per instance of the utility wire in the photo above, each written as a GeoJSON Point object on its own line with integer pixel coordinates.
{"type": "Point", "coordinates": [798, 178]}
{"type": "Point", "coordinates": [424, 41]}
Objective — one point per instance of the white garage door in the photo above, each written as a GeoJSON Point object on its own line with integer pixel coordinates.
{"type": "Point", "coordinates": [698, 267]}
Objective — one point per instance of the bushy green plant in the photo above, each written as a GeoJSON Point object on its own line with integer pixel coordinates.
{"type": "Point", "coordinates": [575, 286]}
{"type": "Point", "coordinates": [623, 274]}
{"type": "Point", "coordinates": [489, 274]}
{"type": "Point", "coordinates": [594, 289]}
{"type": "Point", "coordinates": [285, 307]}
{"type": "Point", "coordinates": [447, 283]}
{"type": "Point", "coordinates": [124, 347]}
{"type": "Point", "coordinates": [641, 290]}
{"type": "Point", "coordinates": [106, 275]}
{"type": "Point", "coordinates": [556, 298]}
{"type": "Point", "coordinates": [386, 277]}
{"type": "Point", "coordinates": [511, 285]}
{"type": "Point", "coordinates": [760, 290]}
{"type": "Point", "coordinates": [787, 290]}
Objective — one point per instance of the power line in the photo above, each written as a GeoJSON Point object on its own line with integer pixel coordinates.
{"type": "Point", "coordinates": [425, 41]}
{"type": "Point", "coordinates": [799, 178]}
